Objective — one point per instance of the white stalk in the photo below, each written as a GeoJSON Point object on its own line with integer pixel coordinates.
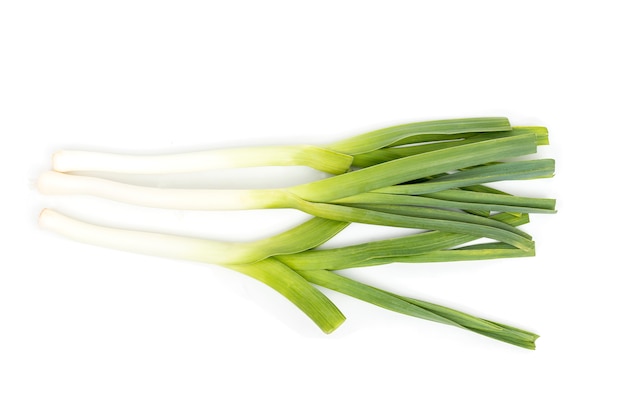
{"type": "Point", "coordinates": [149, 243]}
{"type": "Point", "coordinates": [306, 155]}
{"type": "Point", "coordinates": [52, 182]}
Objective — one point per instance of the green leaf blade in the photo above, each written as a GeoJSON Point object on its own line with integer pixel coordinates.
{"type": "Point", "coordinates": [296, 289]}
{"type": "Point", "coordinates": [391, 135]}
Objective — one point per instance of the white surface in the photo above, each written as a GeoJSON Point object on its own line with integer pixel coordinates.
{"type": "Point", "coordinates": [86, 331]}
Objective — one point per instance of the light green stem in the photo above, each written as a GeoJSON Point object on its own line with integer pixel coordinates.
{"type": "Point", "coordinates": [296, 289]}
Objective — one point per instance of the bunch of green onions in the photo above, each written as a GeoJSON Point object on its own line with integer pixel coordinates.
{"type": "Point", "coordinates": [429, 177]}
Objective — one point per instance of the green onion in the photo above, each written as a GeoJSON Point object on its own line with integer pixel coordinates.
{"type": "Point", "coordinates": [334, 159]}
{"type": "Point", "coordinates": [292, 283]}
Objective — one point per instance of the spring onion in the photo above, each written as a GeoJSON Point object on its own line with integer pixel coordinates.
{"type": "Point", "coordinates": [288, 278]}
{"type": "Point", "coordinates": [335, 158]}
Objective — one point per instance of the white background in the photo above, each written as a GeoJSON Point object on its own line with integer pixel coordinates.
{"type": "Point", "coordinates": [86, 331]}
